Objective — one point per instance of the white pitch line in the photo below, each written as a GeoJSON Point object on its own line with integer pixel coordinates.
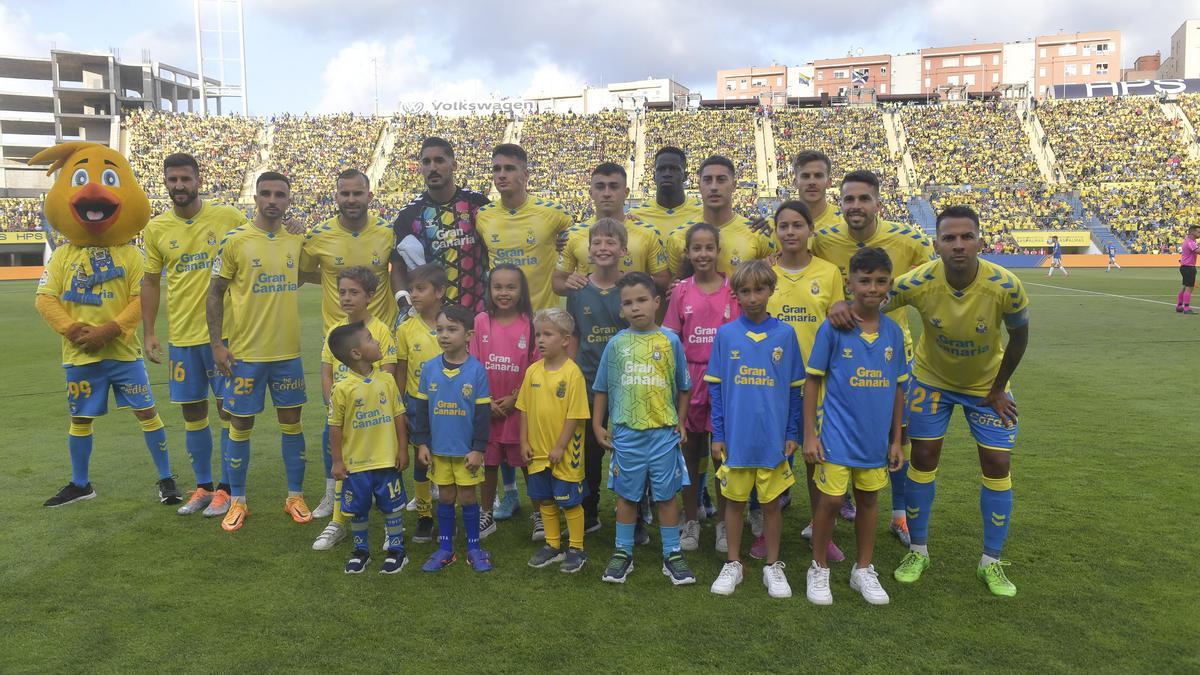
{"type": "Point", "coordinates": [1111, 295]}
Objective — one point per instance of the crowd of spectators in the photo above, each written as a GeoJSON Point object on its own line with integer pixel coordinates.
{"type": "Point", "coordinates": [20, 214]}
{"type": "Point", "coordinates": [313, 150]}
{"type": "Point", "coordinates": [1121, 139]}
{"type": "Point", "coordinates": [853, 136]}
{"type": "Point", "coordinates": [968, 144]}
{"type": "Point", "coordinates": [1149, 217]}
{"type": "Point", "coordinates": [702, 133]}
{"type": "Point", "coordinates": [563, 149]}
{"type": "Point", "coordinates": [473, 137]}
{"type": "Point", "coordinates": [1190, 103]}
{"type": "Point", "coordinates": [1003, 210]}
{"type": "Point", "coordinates": [225, 146]}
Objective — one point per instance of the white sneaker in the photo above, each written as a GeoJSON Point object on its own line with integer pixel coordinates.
{"type": "Point", "coordinates": [776, 581]}
{"type": "Point", "coordinates": [728, 579]}
{"type": "Point", "coordinates": [807, 532]}
{"type": "Point", "coordinates": [329, 537]}
{"type": "Point", "coordinates": [325, 508]}
{"type": "Point", "coordinates": [411, 505]}
{"type": "Point", "coordinates": [689, 539]}
{"type": "Point", "coordinates": [722, 544]}
{"type": "Point", "coordinates": [866, 581]}
{"type": "Point", "coordinates": [756, 523]}
{"type": "Point", "coordinates": [818, 585]}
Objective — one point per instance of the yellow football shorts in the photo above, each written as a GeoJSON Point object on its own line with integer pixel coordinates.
{"type": "Point", "coordinates": [736, 483]}
{"type": "Point", "coordinates": [834, 479]}
{"type": "Point", "coordinates": [449, 470]}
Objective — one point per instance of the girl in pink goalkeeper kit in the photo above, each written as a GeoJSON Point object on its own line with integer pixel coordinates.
{"type": "Point", "coordinates": [1187, 269]}
{"type": "Point", "coordinates": [503, 342]}
{"type": "Point", "coordinates": [699, 305]}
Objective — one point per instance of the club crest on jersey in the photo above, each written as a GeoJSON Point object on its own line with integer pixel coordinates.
{"type": "Point", "coordinates": [375, 260]}
{"type": "Point", "coordinates": [256, 262]}
{"type": "Point", "coordinates": [735, 261]}
{"type": "Point", "coordinates": [529, 238]}
{"type": "Point", "coordinates": [522, 343]}
{"type": "Point", "coordinates": [628, 262]}
{"type": "Point", "coordinates": [338, 260]}
{"type": "Point", "coordinates": [657, 355]}
{"type": "Point", "coordinates": [382, 398]}
{"type": "Point", "coordinates": [777, 355]}
{"type": "Point", "coordinates": [847, 353]}
{"type": "Point", "coordinates": [212, 239]}
{"type": "Point", "coordinates": [816, 288]}
{"type": "Point", "coordinates": [290, 263]}
{"type": "Point", "coordinates": [174, 244]}
{"type": "Point", "coordinates": [735, 354]}
{"type": "Point", "coordinates": [727, 311]}
{"type": "Point", "coordinates": [887, 354]}
{"type": "Point", "coordinates": [561, 391]}
{"type": "Point", "coordinates": [467, 389]}
{"type": "Point", "coordinates": [358, 403]}
{"type": "Point", "coordinates": [980, 326]}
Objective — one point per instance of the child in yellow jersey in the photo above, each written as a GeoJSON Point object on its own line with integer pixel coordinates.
{"type": "Point", "coordinates": [807, 287]}
{"type": "Point", "coordinates": [554, 407]}
{"type": "Point", "coordinates": [416, 343]}
{"type": "Point", "coordinates": [368, 439]}
{"type": "Point", "coordinates": [356, 288]}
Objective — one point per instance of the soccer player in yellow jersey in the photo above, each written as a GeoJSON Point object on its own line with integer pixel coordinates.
{"type": "Point", "coordinates": [416, 343]}
{"type": "Point", "coordinates": [739, 243]}
{"type": "Point", "coordinates": [811, 177]}
{"type": "Point", "coordinates": [356, 288]}
{"type": "Point", "coordinates": [257, 265]}
{"type": "Point", "coordinates": [608, 191]}
{"type": "Point", "coordinates": [519, 229]}
{"type": "Point", "coordinates": [354, 237]}
{"type": "Point", "coordinates": [671, 206]}
{"type": "Point", "coordinates": [961, 361]}
{"type": "Point", "coordinates": [906, 246]}
{"type": "Point", "coordinates": [183, 241]}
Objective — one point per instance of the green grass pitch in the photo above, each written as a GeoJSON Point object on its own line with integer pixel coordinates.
{"type": "Point", "coordinates": [1102, 550]}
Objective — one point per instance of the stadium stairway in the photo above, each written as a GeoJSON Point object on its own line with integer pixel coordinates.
{"type": "Point", "coordinates": [381, 154]}
{"type": "Point", "coordinates": [1041, 155]}
{"type": "Point", "coordinates": [760, 155]}
{"type": "Point", "coordinates": [897, 139]}
{"type": "Point", "coordinates": [922, 214]}
{"type": "Point", "coordinates": [639, 151]}
{"type": "Point", "coordinates": [768, 159]}
{"type": "Point", "coordinates": [266, 136]}
{"type": "Point", "coordinates": [1173, 112]}
{"type": "Point", "coordinates": [1102, 236]}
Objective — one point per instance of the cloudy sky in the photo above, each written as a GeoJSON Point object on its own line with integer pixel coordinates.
{"type": "Point", "coordinates": [321, 56]}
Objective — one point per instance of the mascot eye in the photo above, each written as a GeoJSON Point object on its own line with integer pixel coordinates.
{"type": "Point", "coordinates": [110, 179]}
{"type": "Point", "coordinates": [80, 177]}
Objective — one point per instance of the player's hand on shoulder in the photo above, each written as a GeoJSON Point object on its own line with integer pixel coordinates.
{"type": "Point", "coordinates": [841, 316]}
{"type": "Point", "coordinates": [294, 226]}
{"type": "Point", "coordinates": [761, 225]}
{"type": "Point", "coordinates": [576, 281]}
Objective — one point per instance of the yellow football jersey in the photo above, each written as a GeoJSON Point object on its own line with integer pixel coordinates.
{"type": "Point", "coordinates": [379, 331]}
{"type": "Point", "coordinates": [332, 248]}
{"type": "Point", "coordinates": [186, 248]}
{"type": "Point", "coordinates": [95, 285]}
{"type": "Point", "coordinates": [548, 398]}
{"type": "Point", "coordinates": [829, 217]}
{"type": "Point", "coordinates": [645, 251]}
{"type": "Point", "coordinates": [908, 247]}
{"type": "Point", "coordinates": [366, 408]}
{"type": "Point", "coordinates": [666, 220]}
{"type": "Point", "coordinates": [739, 244]}
{"type": "Point", "coordinates": [801, 299]}
{"type": "Point", "coordinates": [526, 237]}
{"type": "Point", "coordinates": [960, 348]}
{"type": "Point", "coordinates": [416, 343]}
{"type": "Point", "coordinates": [263, 273]}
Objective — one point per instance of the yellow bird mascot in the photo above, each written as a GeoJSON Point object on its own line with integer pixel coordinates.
{"type": "Point", "coordinates": [88, 294]}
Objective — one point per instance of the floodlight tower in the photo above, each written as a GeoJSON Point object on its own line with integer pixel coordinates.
{"type": "Point", "coordinates": [225, 19]}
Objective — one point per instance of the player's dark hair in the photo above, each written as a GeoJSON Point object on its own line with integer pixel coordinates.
{"type": "Point", "coordinates": [862, 176]}
{"type": "Point", "coordinates": [430, 273]}
{"type": "Point", "coordinates": [178, 159]}
{"type": "Point", "coordinates": [524, 303]}
{"type": "Point", "coordinates": [671, 150]}
{"type": "Point", "coordinates": [609, 227]}
{"type": "Point", "coordinates": [870, 259]}
{"type": "Point", "coordinates": [957, 212]}
{"type": "Point", "coordinates": [350, 174]}
{"type": "Point", "coordinates": [805, 156]}
{"type": "Point", "coordinates": [717, 160]}
{"type": "Point", "coordinates": [685, 265]}
{"type": "Point", "coordinates": [753, 273]}
{"type": "Point", "coordinates": [363, 276]}
{"type": "Point", "coordinates": [436, 142]}
{"type": "Point", "coordinates": [345, 338]}
{"type": "Point", "coordinates": [631, 279]}
{"type": "Point", "coordinates": [272, 175]}
{"type": "Point", "coordinates": [609, 169]}
{"type": "Point", "coordinates": [460, 315]}
{"type": "Point", "coordinates": [510, 150]}
{"type": "Point", "coordinates": [797, 206]}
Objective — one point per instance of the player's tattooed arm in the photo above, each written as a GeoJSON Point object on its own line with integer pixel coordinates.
{"type": "Point", "coordinates": [214, 306]}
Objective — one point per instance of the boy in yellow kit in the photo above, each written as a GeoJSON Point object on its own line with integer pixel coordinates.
{"type": "Point", "coordinates": [554, 407]}
{"type": "Point", "coordinates": [368, 439]}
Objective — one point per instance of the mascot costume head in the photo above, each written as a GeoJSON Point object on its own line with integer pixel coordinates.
{"type": "Point", "coordinates": [97, 205]}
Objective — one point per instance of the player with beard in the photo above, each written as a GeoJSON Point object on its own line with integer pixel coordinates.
{"type": "Point", "coordinates": [439, 227]}
{"type": "Point", "coordinates": [183, 242]}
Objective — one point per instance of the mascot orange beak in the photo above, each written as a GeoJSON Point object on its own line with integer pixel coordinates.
{"type": "Point", "coordinates": [95, 208]}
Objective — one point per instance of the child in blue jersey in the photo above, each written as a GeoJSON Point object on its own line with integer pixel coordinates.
{"type": "Point", "coordinates": [642, 382]}
{"type": "Point", "coordinates": [368, 442]}
{"type": "Point", "coordinates": [451, 412]}
{"type": "Point", "coordinates": [853, 402]}
{"type": "Point", "coordinates": [754, 378]}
